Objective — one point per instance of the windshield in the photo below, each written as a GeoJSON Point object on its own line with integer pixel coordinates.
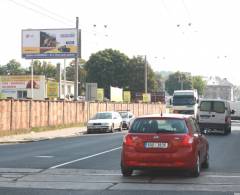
{"type": "Point", "coordinates": [103, 115]}
{"type": "Point", "coordinates": [154, 125]}
{"type": "Point", "coordinates": [124, 114]}
{"type": "Point", "coordinates": [183, 100]}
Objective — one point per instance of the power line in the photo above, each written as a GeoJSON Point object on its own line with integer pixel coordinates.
{"type": "Point", "coordinates": [49, 11]}
{"type": "Point", "coordinates": [186, 9]}
{"type": "Point", "coordinates": [39, 12]}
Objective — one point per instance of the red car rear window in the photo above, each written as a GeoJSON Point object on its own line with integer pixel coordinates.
{"type": "Point", "coordinates": [155, 125]}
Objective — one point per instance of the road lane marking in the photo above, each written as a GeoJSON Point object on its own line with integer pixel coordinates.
{"type": "Point", "coordinates": [84, 158]}
{"type": "Point", "coordinates": [103, 174]}
{"type": "Point", "coordinates": [43, 156]}
{"type": "Point", "coordinates": [223, 176]}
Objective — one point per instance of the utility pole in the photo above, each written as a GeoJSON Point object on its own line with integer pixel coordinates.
{"type": "Point", "coordinates": [76, 64]}
{"type": "Point", "coordinates": [145, 74]}
{"type": "Point", "coordinates": [181, 80]}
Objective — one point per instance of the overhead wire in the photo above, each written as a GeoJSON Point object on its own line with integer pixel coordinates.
{"type": "Point", "coordinates": [48, 11]}
{"type": "Point", "coordinates": [39, 12]}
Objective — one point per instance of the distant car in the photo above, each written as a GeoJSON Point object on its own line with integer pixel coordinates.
{"type": "Point", "coordinates": [126, 116]}
{"type": "Point", "coordinates": [105, 122]}
{"type": "Point", "coordinates": [167, 141]}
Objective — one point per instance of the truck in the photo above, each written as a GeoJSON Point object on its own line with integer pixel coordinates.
{"type": "Point", "coordinates": [185, 102]}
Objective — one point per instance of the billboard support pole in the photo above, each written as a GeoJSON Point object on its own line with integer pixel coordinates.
{"type": "Point", "coordinates": [64, 91]}
{"type": "Point", "coordinates": [32, 79]}
{"type": "Point", "coordinates": [76, 64]}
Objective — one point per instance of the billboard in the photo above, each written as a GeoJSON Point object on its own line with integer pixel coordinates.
{"type": "Point", "coordinates": [91, 91]}
{"type": "Point", "coordinates": [100, 94]}
{"type": "Point", "coordinates": [116, 94]}
{"type": "Point", "coordinates": [127, 96]}
{"type": "Point", "coordinates": [49, 43]}
{"type": "Point", "coordinates": [146, 97]}
{"type": "Point", "coordinates": [20, 82]}
{"type": "Point", "coordinates": [52, 89]}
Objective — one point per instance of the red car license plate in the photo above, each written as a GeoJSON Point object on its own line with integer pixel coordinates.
{"type": "Point", "coordinates": [155, 145]}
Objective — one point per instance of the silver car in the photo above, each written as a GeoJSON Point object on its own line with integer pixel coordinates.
{"type": "Point", "coordinates": [105, 122]}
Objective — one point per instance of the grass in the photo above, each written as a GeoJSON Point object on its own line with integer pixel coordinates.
{"type": "Point", "coordinates": [38, 129]}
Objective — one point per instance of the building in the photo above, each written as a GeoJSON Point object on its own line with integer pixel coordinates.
{"type": "Point", "coordinates": [67, 89]}
{"type": "Point", "coordinates": [20, 87]}
{"type": "Point", "coordinates": [218, 88]}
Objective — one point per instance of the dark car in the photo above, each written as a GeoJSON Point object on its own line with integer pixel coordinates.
{"type": "Point", "coordinates": [164, 141]}
{"type": "Point", "coordinates": [127, 116]}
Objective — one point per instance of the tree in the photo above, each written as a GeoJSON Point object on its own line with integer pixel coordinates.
{"type": "Point", "coordinates": [178, 81]}
{"type": "Point", "coordinates": [199, 84]}
{"type": "Point", "coordinates": [43, 68]}
{"type": "Point", "coordinates": [160, 81]}
{"type": "Point", "coordinates": [136, 68]}
{"type": "Point", "coordinates": [12, 68]}
{"type": "Point", "coordinates": [108, 68]}
{"type": "Point", "coordinates": [82, 73]}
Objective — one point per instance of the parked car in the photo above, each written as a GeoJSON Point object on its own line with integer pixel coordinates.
{"type": "Point", "coordinates": [214, 114]}
{"type": "Point", "coordinates": [167, 141]}
{"type": "Point", "coordinates": [105, 122]}
{"type": "Point", "coordinates": [126, 116]}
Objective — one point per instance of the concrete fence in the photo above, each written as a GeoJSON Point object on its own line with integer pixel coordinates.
{"type": "Point", "coordinates": [25, 114]}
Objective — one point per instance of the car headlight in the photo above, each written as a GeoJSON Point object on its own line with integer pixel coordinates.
{"type": "Point", "coordinates": [89, 124]}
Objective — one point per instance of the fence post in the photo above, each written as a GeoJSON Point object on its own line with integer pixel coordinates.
{"type": "Point", "coordinates": [76, 113]}
{"type": "Point", "coordinates": [63, 111]}
{"type": "Point", "coordinates": [48, 113]}
{"type": "Point", "coordinates": [11, 115]}
{"type": "Point", "coordinates": [30, 114]}
{"type": "Point", "coordinates": [138, 108]}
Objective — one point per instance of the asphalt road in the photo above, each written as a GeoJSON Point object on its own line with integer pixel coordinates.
{"type": "Point", "coordinates": [90, 164]}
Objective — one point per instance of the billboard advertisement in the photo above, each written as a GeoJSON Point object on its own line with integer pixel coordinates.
{"type": "Point", "coordinates": [116, 94]}
{"type": "Point", "coordinates": [49, 43]}
{"type": "Point", "coordinates": [146, 97]}
{"type": "Point", "coordinates": [52, 89]}
{"type": "Point", "coordinates": [20, 82]}
{"type": "Point", "coordinates": [127, 96]}
{"type": "Point", "coordinates": [91, 91]}
{"type": "Point", "coordinates": [100, 94]}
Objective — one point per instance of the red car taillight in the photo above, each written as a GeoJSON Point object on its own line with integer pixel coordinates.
{"type": "Point", "coordinates": [128, 140]}
{"type": "Point", "coordinates": [187, 140]}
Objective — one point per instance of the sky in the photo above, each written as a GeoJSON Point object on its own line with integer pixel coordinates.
{"type": "Point", "coordinates": [197, 36]}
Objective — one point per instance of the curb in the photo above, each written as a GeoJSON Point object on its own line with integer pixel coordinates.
{"type": "Point", "coordinates": [27, 140]}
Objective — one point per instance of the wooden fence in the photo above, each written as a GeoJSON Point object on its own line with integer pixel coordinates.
{"type": "Point", "coordinates": [25, 114]}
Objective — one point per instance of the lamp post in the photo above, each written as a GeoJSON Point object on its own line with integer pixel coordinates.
{"type": "Point", "coordinates": [145, 73]}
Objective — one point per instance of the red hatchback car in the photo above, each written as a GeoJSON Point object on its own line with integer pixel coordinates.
{"type": "Point", "coordinates": [167, 141]}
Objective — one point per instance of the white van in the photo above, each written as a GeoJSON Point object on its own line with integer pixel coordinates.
{"type": "Point", "coordinates": [214, 114]}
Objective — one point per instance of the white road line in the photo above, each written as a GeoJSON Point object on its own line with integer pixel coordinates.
{"type": "Point", "coordinates": [43, 156]}
{"type": "Point", "coordinates": [84, 158]}
{"type": "Point", "coordinates": [223, 176]}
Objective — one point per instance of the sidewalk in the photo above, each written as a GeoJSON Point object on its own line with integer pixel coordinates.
{"type": "Point", "coordinates": [45, 135]}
